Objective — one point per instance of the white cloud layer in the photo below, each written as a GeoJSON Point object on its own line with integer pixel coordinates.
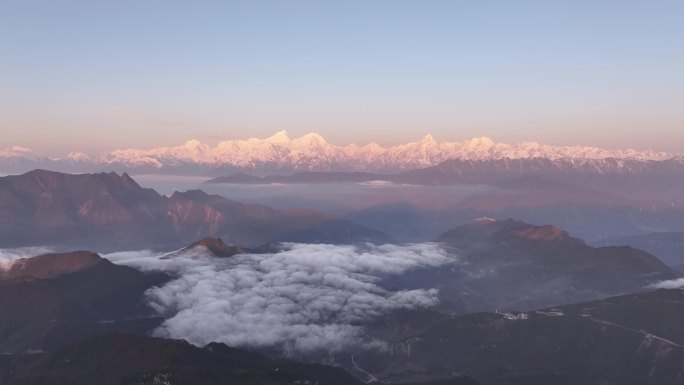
{"type": "Point", "coordinates": [304, 298]}
{"type": "Point", "coordinates": [669, 284]}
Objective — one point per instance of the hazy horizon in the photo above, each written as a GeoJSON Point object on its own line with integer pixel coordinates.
{"type": "Point", "coordinates": [213, 142]}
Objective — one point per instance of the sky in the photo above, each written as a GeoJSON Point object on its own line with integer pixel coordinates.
{"type": "Point", "coordinates": [98, 75]}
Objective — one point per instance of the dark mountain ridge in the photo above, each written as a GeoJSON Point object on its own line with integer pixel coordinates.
{"type": "Point", "coordinates": [302, 177]}
{"type": "Point", "coordinates": [511, 265]}
{"type": "Point", "coordinates": [668, 246]}
{"type": "Point", "coordinates": [138, 360]}
{"type": "Point", "coordinates": [485, 171]}
{"type": "Point", "coordinates": [455, 171]}
{"type": "Point", "coordinates": [108, 211]}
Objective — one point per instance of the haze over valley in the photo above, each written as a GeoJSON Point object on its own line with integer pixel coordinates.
{"type": "Point", "coordinates": [362, 279]}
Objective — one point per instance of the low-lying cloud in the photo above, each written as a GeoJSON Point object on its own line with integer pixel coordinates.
{"type": "Point", "coordinates": [304, 298]}
{"type": "Point", "coordinates": [669, 284]}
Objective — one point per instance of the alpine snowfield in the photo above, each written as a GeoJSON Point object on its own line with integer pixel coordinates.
{"type": "Point", "coordinates": [311, 152]}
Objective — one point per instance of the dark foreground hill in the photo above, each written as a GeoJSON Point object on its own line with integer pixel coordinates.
{"type": "Point", "coordinates": [108, 211]}
{"type": "Point", "coordinates": [139, 360]}
{"type": "Point", "coordinates": [636, 339]}
{"type": "Point", "coordinates": [51, 299]}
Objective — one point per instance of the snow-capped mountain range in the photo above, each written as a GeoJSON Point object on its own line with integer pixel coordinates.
{"type": "Point", "coordinates": [281, 154]}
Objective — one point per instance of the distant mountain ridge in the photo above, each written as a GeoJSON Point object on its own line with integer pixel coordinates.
{"type": "Point", "coordinates": [108, 211]}
{"type": "Point", "coordinates": [645, 178]}
{"type": "Point", "coordinates": [311, 152]}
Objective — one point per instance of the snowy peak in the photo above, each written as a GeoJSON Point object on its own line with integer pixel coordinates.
{"type": "Point", "coordinates": [280, 137]}
{"type": "Point", "coordinates": [18, 152]}
{"type": "Point", "coordinates": [311, 139]}
{"type": "Point", "coordinates": [192, 144]}
{"type": "Point", "coordinates": [77, 156]}
{"type": "Point", "coordinates": [21, 150]}
{"type": "Point", "coordinates": [373, 147]}
{"type": "Point", "coordinates": [279, 153]}
{"type": "Point", "coordinates": [480, 143]}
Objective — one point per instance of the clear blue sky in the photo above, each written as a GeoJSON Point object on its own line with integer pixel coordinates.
{"type": "Point", "coordinates": [97, 75]}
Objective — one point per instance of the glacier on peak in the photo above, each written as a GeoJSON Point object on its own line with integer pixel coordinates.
{"type": "Point", "coordinates": [192, 144]}
{"type": "Point", "coordinates": [279, 137]}
{"type": "Point", "coordinates": [311, 139]}
{"type": "Point", "coordinates": [312, 152]}
{"type": "Point", "coordinates": [22, 149]}
{"type": "Point", "coordinates": [19, 152]}
{"type": "Point", "coordinates": [77, 156]}
{"type": "Point", "coordinates": [481, 142]}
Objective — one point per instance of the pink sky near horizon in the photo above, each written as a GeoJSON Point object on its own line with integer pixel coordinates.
{"type": "Point", "coordinates": [97, 76]}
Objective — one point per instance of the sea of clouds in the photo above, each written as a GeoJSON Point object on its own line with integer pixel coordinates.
{"type": "Point", "coordinates": [304, 298]}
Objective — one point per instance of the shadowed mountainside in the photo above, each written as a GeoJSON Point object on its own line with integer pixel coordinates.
{"type": "Point", "coordinates": [669, 247]}
{"type": "Point", "coordinates": [51, 299]}
{"type": "Point", "coordinates": [138, 360]}
{"type": "Point", "coordinates": [514, 265]}
{"type": "Point", "coordinates": [112, 212]}
{"type": "Point", "coordinates": [635, 339]}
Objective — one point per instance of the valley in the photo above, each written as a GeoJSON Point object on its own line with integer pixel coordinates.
{"type": "Point", "coordinates": [199, 279]}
